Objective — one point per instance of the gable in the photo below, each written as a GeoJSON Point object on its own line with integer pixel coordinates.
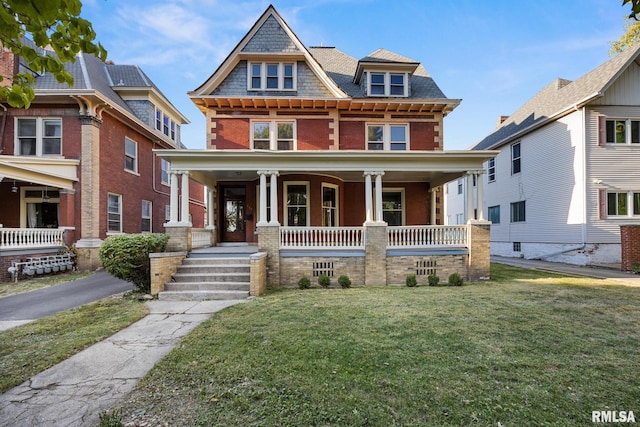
{"type": "Point", "coordinates": [271, 38]}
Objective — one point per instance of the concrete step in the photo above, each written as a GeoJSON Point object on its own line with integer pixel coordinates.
{"type": "Point", "coordinates": [207, 286]}
{"type": "Point", "coordinates": [216, 261]}
{"type": "Point", "coordinates": [212, 269]}
{"type": "Point", "coordinates": [201, 295]}
{"type": "Point", "coordinates": [211, 277]}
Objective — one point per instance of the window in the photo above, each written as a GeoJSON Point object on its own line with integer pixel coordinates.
{"type": "Point", "coordinates": [173, 130]}
{"type": "Point", "coordinates": [297, 204]}
{"type": "Point", "coordinates": [491, 169]}
{"type": "Point", "coordinates": [515, 158]}
{"type": "Point", "coordinates": [130, 155]}
{"type": "Point", "coordinates": [42, 207]}
{"type": "Point", "coordinates": [38, 136]}
{"type": "Point", "coordinates": [159, 120]}
{"type": "Point", "coordinates": [165, 165]}
{"type": "Point", "coordinates": [393, 206]}
{"type": "Point", "coordinates": [494, 214]}
{"type": "Point", "coordinates": [517, 247]}
{"type": "Point", "coordinates": [329, 205]}
{"type": "Point", "coordinates": [167, 213]}
{"type": "Point", "coordinates": [274, 135]}
{"type": "Point", "coordinates": [460, 186]}
{"type": "Point", "coordinates": [518, 211]}
{"type": "Point", "coordinates": [146, 216]}
{"type": "Point", "coordinates": [459, 218]}
{"type": "Point", "coordinates": [387, 84]}
{"type": "Point", "coordinates": [388, 137]}
{"type": "Point", "coordinates": [623, 203]}
{"type": "Point", "coordinates": [271, 76]}
{"type": "Point", "coordinates": [623, 131]}
{"type": "Point", "coordinates": [114, 213]}
{"type": "Point", "coordinates": [166, 125]}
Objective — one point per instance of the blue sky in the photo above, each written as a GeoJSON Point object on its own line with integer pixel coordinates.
{"type": "Point", "coordinates": [494, 55]}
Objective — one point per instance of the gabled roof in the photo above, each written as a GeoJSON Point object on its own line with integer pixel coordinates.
{"type": "Point", "coordinates": [290, 46]}
{"type": "Point", "coordinates": [559, 98]}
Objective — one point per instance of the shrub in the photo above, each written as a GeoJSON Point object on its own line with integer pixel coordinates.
{"type": "Point", "coordinates": [111, 419]}
{"type": "Point", "coordinates": [126, 256]}
{"type": "Point", "coordinates": [324, 281]}
{"type": "Point", "coordinates": [455, 280]}
{"type": "Point", "coordinates": [304, 283]}
{"type": "Point", "coordinates": [344, 281]}
{"type": "Point", "coordinates": [636, 268]}
{"type": "Point", "coordinates": [433, 280]}
{"type": "Point", "coordinates": [411, 281]}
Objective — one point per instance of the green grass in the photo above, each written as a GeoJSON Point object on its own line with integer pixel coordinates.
{"type": "Point", "coordinates": [7, 289]}
{"type": "Point", "coordinates": [528, 348]}
{"type": "Point", "coordinates": [29, 349]}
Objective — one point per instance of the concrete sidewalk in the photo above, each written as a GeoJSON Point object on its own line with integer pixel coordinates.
{"type": "Point", "coordinates": [75, 391]}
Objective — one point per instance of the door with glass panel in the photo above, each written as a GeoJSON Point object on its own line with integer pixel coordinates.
{"type": "Point", "coordinates": [233, 214]}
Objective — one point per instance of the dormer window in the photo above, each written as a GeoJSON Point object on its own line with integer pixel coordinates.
{"type": "Point", "coordinates": [271, 76]}
{"type": "Point", "coordinates": [387, 84]}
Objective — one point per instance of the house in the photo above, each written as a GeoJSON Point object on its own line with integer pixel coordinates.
{"type": "Point", "coordinates": [78, 165]}
{"type": "Point", "coordinates": [328, 164]}
{"type": "Point", "coordinates": [566, 176]}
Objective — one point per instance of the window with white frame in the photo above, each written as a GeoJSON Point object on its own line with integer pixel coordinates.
{"type": "Point", "coordinates": [274, 135]}
{"type": "Point", "coordinates": [491, 170]}
{"type": "Point", "coordinates": [114, 213]}
{"type": "Point", "coordinates": [165, 166]}
{"type": "Point", "coordinates": [329, 205]}
{"type": "Point", "coordinates": [382, 83]}
{"type": "Point", "coordinates": [515, 158]}
{"type": "Point", "coordinates": [297, 204]}
{"type": "Point", "coordinates": [459, 185]}
{"type": "Point", "coordinates": [389, 137]}
{"type": "Point", "coordinates": [167, 213]}
{"type": "Point", "coordinates": [494, 214]}
{"type": "Point", "coordinates": [159, 120]}
{"type": "Point", "coordinates": [459, 218]}
{"type": "Point", "coordinates": [271, 76]}
{"type": "Point", "coordinates": [166, 125]}
{"type": "Point", "coordinates": [38, 136]}
{"type": "Point", "coordinates": [518, 211]}
{"type": "Point", "coordinates": [623, 204]}
{"type": "Point", "coordinates": [145, 226]}
{"type": "Point", "coordinates": [623, 131]}
{"type": "Point", "coordinates": [130, 155]}
{"type": "Point", "coordinates": [393, 211]}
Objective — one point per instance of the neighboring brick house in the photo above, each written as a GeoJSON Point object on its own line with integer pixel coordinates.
{"type": "Point", "coordinates": [79, 163]}
{"type": "Point", "coordinates": [328, 163]}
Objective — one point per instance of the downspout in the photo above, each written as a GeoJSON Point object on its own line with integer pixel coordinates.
{"type": "Point", "coordinates": [2, 127]}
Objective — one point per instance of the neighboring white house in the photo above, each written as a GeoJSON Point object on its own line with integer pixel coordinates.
{"type": "Point", "coordinates": [568, 172]}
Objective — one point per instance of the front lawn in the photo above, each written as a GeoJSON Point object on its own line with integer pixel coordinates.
{"type": "Point", "coordinates": [528, 348]}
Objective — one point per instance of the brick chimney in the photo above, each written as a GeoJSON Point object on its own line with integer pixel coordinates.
{"type": "Point", "coordinates": [501, 120]}
{"type": "Point", "coordinates": [8, 66]}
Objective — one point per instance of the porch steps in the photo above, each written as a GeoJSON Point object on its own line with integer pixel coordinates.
{"type": "Point", "coordinates": [210, 276]}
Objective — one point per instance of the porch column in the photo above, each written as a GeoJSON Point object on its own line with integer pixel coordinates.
{"type": "Point", "coordinates": [469, 197]}
{"type": "Point", "coordinates": [379, 217]}
{"type": "Point", "coordinates": [173, 198]}
{"type": "Point", "coordinates": [368, 197]}
{"type": "Point", "coordinates": [263, 198]}
{"type": "Point", "coordinates": [274, 198]}
{"type": "Point", "coordinates": [184, 209]}
{"type": "Point", "coordinates": [210, 205]}
{"type": "Point", "coordinates": [434, 197]}
{"type": "Point", "coordinates": [480, 194]}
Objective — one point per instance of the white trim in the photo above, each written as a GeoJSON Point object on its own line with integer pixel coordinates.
{"type": "Point", "coordinates": [39, 136]}
{"type": "Point", "coordinates": [143, 217]}
{"type": "Point", "coordinates": [264, 76]}
{"type": "Point", "coordinates": [127, 155]}
{"type": "Point", "coordinates": [119, 196]}
{"type": "Point", "coordinates": [387, 84]}
{"type": "Point", "coordinates": [403, 209]}
{"type": "Point", "coordinates": [285, 202]}
{"type": "Point", "coordinates": [273, 134]}
{"type": "Point", "coordinates": [386, 135]}
{"type": "Point", "coordinates": [336, 208]}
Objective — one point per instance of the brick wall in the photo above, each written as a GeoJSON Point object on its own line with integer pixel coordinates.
{"type": "Point", "coordinates": [269, 242]}
{"type": "Point", "coordinates": [230, 133]}
{"type": "Point", "coordinates": [398, 267]}
{"type": "Point", "coordinates": [629, 246]}
{"type": "Point", "coordinates": [8, 66]}
{"type": "Point", "coordinates": [352, 136]}
{"type": "Point", "coordinates": [163, 266]}
{"type": "Point", "coordinates": [313, 134]}
{"type": "Point", "coordinates": [424, 136]}
{"type": "Point", "coordinates": [258, 274]}
{"type": "Point", "coordinates": [292, 269]}
{"type": "Point", "coordinates": [7, 259]}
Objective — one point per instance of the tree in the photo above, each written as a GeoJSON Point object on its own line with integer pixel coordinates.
{"type": "Point", "coordinates": [635, 8]}
{"type": "Point", "coordinates": [27, 27]}
{"type": "Point", "coordinates": [630, 38]}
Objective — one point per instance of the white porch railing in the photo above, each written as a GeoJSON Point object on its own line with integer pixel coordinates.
{"type": "Point", "coordinates": [426, 236]}
{"type": "Point", "coordinates": [29, 238]}
{"type": "Point", "coordinates": [321, 237]}
{"type": "Point", "coordinates": [200, 238]}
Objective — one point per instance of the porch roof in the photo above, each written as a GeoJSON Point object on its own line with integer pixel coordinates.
{"type": "Point", "coordinates": [435, 167]}
{"type": "Point", "coordinates": [54, 172]}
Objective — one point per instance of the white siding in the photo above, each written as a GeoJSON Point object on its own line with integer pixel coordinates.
{"type": "Point", "coordinates": [454, 203]}
{"type": "Point", "coordinates": [625, 90]}
{"type": "Point", "coordinates": [551, 183]}
{"type": "Point", "coordinates": [614, 167]}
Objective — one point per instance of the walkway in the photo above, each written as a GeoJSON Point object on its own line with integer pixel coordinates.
{"type": "Point", "coordinates": [75, 391]}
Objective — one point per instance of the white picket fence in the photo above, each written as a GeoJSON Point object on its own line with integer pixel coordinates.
{"type": "Point", "coordinates": [421, 236]}
{"type": "Point", "coordinates": [29, 238]}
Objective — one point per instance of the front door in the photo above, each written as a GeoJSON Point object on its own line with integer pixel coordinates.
{"type": "Point", "coordinates": [233, 222]}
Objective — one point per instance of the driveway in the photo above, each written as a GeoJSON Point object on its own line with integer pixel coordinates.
{"type": "Point", "coordinates": [24, 308]}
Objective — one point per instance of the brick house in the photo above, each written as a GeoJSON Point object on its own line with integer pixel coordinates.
{"type": "Point", "coordinates": [329, 164]}
{"type": "Point", "coordinates": [78, 165]}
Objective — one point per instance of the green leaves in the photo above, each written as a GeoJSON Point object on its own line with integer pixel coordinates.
{"type": "Point", "coordinates": [52, 24]}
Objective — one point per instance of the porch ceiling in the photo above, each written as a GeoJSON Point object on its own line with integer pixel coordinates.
{"type": "Point", "coordinates": [435, 167]}
{"type": "Point", "coordinates": [60, 173]}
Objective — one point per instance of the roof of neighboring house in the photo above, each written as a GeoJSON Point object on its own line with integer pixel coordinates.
{"type": "Point", "coordinates": [557, 98]}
